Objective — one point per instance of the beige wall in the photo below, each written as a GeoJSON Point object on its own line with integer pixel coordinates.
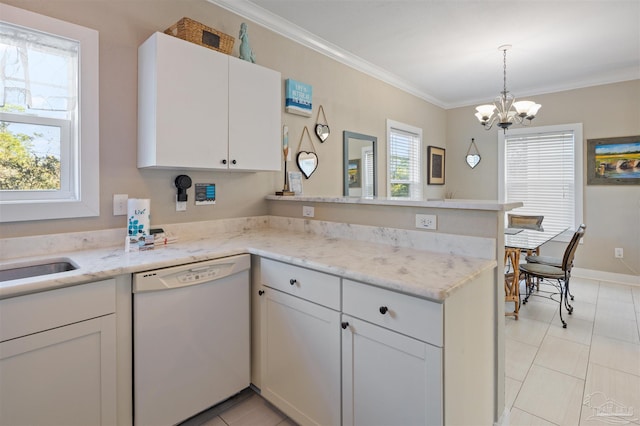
{"type": "Point", "coordinates": [611, 213]}
{"type": "Point", "coordinates": [351, 101]}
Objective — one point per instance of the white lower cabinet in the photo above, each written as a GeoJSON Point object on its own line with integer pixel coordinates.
{"type": "Point", "coordinates": [301, 350]}
{"type": "Point", "coordinates": [58, 357]}
{"type": "Point", "coordinates": [391, 358]}
{"type": "Point", "coordinates": [335, 351]}
{"type": "Point", "coordinates": [300, 347]}
{"type": "Point", "coordinates": [388, 378]}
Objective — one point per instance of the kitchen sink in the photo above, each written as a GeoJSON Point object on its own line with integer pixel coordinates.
{"type": "Point", "coordinates": [27, 270]}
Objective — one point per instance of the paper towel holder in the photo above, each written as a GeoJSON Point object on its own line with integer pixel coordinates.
{"type": "Point", "coordinates": [183, 182]}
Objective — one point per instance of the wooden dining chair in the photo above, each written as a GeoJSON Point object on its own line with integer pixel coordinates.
{"type": "Point", "coordinates": [520, 221]}
{"type": "Point", "coordinates": [525, 221]}
{"type": "Point", "coordinates": [557, 276]}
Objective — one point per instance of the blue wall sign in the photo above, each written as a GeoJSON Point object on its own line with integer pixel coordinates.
{"type": "Point", "coordinates": [298, 98]}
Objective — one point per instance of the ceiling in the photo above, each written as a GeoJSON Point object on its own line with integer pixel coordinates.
{"type": "Point", "coordinates": [446, 51]}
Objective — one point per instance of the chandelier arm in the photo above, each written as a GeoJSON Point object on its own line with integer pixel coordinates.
{"type": "Point", "coordinates": [489, 124]}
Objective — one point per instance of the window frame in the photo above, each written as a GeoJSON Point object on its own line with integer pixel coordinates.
{"type": "Point", "coordinates": [85, 202]}
{"type": "Point", "coordinates": [416, 189]}
{"type": "Point", "coordinates": [576, 128]}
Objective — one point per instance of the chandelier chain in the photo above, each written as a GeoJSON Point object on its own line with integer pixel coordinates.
{"type": "Point", "coordinates": [504, 70]}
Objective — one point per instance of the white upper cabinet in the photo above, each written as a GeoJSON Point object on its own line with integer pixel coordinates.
{"type": "Point", "coordinates": [201, 109]}
{"type": "Point", "coordinates": [254, 116]}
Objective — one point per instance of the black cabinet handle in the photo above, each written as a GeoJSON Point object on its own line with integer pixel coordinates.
{"type": "Point", "coordinates": [260, 292]}
{"type": "Point", "coordinates": [292, 281]}
{"type": "Point", "coordinates": [344, 325]}
{"type": "Point", "coordinates": [383, 310]}
{"type": "Point", "coordinates": [234, 162]}
{"type": "Point", "coordinates": [224, 161]}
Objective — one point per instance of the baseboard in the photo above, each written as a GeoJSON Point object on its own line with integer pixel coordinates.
{"type": "Point", "coordinates": [504, 418]}
{"type": "Point", "coordinates": [606, 276]}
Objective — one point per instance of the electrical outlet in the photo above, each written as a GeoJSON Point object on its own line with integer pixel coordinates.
{"type": "Point", "coordinates": [618, 253]}
{"type": "Point", "coordinates": [426, 221]}
{"type": "Point", "coordinates": [308, 211]}
{"type": "Point", "coordinates": [120, 204]}
{"type": "Point", "coordinates": [181, 206]}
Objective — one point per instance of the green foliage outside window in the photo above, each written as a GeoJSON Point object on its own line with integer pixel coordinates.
{"type": "Point", "coordinates": [21, 169]}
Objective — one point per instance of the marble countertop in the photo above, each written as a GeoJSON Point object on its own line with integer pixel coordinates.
{"type": "Point", "coordinates": [420, 273]}
{"type": "Point", "coordinates": [459, 204]}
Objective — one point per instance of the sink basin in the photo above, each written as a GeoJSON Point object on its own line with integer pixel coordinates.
{"type": "Point", "coordinates": [26, 270]}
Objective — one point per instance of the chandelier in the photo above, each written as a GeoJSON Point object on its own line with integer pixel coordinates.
{"type": "Point", "coordinates": [504, 110]}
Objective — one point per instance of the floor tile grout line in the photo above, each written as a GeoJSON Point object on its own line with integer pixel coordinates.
{"type": "Point", "coordinates": [586, 373]}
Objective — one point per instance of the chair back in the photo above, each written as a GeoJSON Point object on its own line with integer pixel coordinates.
{"type": "Point", "coordinates": [525, 221]}
{"type": "Point", "coordinates": [570, 251]}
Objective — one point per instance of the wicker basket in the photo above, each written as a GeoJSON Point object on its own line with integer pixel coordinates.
{"type": "Point", "coordinates": [195, 32]}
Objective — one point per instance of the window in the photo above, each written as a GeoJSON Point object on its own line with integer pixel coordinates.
{"type": "Point", "coordinates": [404, 171]}
{"type": "Point", "coordinates": [367, 171]}
{"type": "Point", "coordinates": [48, 118]}
{"type": "Point", "coordinates": [542, 167]}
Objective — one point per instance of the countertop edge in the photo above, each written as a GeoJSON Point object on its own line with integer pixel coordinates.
{"type": "Point", "coordinates": [459, 204]}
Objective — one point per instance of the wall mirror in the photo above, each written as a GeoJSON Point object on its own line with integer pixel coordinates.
{"type": "Point", "coordinates": [359, 154]}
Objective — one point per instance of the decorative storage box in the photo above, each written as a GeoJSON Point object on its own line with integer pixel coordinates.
{"type": "Point", "coordinates": [195, 32]}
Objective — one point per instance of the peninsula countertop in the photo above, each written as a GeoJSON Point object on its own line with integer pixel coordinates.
{"type": "Point", "coordinates": [427, 274]}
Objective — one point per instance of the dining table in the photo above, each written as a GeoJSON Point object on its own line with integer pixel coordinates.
{"type": "Point", "coordinates": [516, 241]}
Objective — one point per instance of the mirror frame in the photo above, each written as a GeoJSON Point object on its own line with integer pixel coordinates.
{"type": "Point", "coordinates": [346, 135]}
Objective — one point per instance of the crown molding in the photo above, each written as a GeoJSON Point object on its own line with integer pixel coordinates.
{"type": "Point", "coordinates": [295, 33]}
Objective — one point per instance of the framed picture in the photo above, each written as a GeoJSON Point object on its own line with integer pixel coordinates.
{"type": "Point", "coordinates": [613, 161]}
{"type": "Point", "coordinates": [295, 182]}
{"type": "Point", "coordinates": [435, 165]}
{"type": "Point", "coordinates": [354, 174]}
{"type": "Point", "coordinates": [298, 97]}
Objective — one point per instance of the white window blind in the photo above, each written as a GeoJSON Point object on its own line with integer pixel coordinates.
{"type": "Point", "coordinates": [405, 165]}
{"type": "Point", "coordinates": [540, 171]}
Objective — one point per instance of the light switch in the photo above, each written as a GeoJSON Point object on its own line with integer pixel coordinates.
{"type": "Point", "coordinates": [120, 204]}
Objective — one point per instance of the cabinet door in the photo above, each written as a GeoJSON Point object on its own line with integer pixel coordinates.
{"type": "Point", "coordinates": [182, 104]}
{"type": "Point", "coordinates": [389, 378]}
{"type": "Point", "coordinates": [64, 376]}
{"type": "Point", "coordinates": [254, 117]}
{"type": "Point", "coordinates": [301, 358]}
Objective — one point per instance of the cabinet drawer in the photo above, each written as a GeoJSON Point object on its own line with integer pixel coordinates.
{"type": "Point", "coordinates": [415, 317]}
{"type": "Point", "coordinates": [37, 312]}
{"type": "Point", "coordinates": [317, 287]}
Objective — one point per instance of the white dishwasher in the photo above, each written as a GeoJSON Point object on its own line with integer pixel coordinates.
{"type": "Point", "coordinates": [191, 338]}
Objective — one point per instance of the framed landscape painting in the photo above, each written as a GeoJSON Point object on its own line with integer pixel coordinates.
{"type": "Point", "coordinates": [613, 161]}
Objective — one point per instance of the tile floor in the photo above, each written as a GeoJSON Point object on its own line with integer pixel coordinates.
{"type": "Point", "coordinates": [557, 376]}
{"type": "Point", "coordinates": [554, 376]}
{"type": "Point", "coordinates": [245, 409]}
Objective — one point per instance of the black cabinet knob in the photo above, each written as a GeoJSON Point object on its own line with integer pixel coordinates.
{"type": "Point", "coordinates": [383, 310]}
{"type": "Point", "coordinates": [345, 325]}
{"type": "Point", "coordinates": [260, 292]}
{"type": "Point", "coordinates": [234, 162]}
{"type": "Point", "coordinates": [224, 161]}
{"type": "Point", "coordinates": [292, 281]}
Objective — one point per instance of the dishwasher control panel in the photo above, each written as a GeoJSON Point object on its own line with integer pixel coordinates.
{"type": "Point", "coordinates": [194, 276]}
{"type": "Point", "coordinates": [190, 274]}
